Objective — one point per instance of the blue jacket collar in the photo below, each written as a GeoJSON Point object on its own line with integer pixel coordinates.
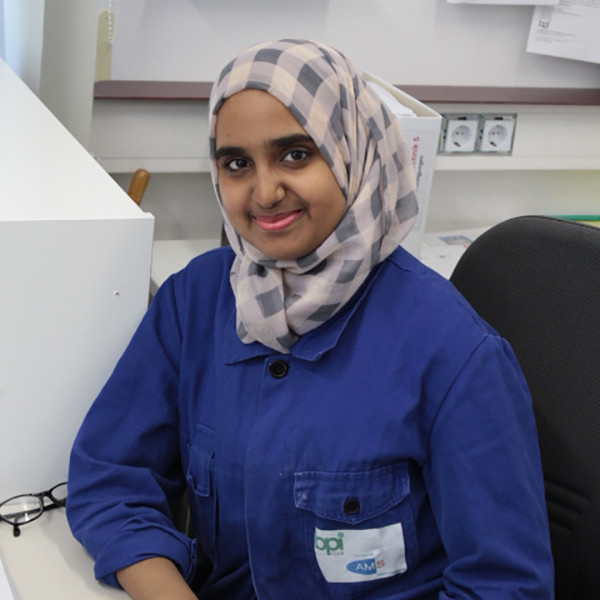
{"type": "Point", "coordinates": [312, 345]}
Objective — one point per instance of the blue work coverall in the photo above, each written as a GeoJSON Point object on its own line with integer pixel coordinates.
{"type": "Point", "coordinates": [391, 454]}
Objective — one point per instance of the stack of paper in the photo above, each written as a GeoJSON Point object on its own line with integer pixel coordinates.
{"type": "Point", "coordinates": [397, 108]}
{"type": "Point", "coordinates": [442, 250]}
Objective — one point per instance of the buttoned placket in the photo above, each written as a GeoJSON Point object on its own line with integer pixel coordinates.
{"type": "Point", "coordinates": [281, 374]}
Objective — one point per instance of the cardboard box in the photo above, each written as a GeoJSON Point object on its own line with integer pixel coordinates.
{"type": "Point", "coordinates": [421, 126]}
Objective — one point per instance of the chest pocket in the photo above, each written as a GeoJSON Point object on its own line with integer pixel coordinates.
{"type": "Point", "coordinates": [359, 526]}
{"type": "Point", "coordinates": [351, 497]}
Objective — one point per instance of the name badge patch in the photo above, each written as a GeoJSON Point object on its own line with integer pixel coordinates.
{"type": "Point", "coordinates": [351, 555]}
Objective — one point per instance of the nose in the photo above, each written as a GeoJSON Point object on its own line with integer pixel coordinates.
{"type": "Point", "coordinates": [268, 188]}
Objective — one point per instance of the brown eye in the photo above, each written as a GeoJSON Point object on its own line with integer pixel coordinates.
{"type": "Point", "coordinates": [296, 155]}
{"type": "Point", "coordinates": [236, 164]}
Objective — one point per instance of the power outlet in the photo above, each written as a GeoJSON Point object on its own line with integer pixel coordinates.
{"type": "Point", "coordinates": [497, 134]}
{"type": "Point", "coordinates": [459, 133]}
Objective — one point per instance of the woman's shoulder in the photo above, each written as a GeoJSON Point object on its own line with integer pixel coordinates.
{"type": "Point", "coordinates": [432, 300]}
{"type": "Point", "coordinates": [415, 317]}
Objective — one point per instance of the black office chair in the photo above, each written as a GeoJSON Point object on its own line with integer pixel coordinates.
{"type": "Point", "coordinates": [536, 280]}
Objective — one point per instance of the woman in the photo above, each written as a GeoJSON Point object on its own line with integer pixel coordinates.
{"type": "Point", "coordinates": [345, 424]}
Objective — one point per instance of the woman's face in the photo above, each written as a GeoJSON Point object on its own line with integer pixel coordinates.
{"type": "Point", "coordinates": [277, 190]}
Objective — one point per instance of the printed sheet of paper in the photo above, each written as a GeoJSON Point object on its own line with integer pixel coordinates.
{"type": "Point", "coordinates": [571, 30]}
{"type": "Point", "coordinates": [529, 2]}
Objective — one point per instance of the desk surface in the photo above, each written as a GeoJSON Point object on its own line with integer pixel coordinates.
{"type": "Point", "coordinates": [46, 561]}
{"type": "Point", "coordinates": [441, 250]}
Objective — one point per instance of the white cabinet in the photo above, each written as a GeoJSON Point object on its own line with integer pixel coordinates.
{"type": "Point", "coordinates": [75, 255]}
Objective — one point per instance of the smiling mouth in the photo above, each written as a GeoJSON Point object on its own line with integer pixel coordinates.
{"type": "Point", "coordinates": [277, 222]}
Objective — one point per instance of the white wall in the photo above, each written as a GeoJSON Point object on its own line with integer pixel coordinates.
{"type": "Point", "coordinates": [464, 199]}
{"type": "Point", "coordinates": [411, 42]}
{"type": "Point", "coordinates": [405, 41]}
{"type": "Point", "coordinates": [554, 167]}
{"type": "Point", "coordinates": [185, 206]}
{"type": "Point", "coordinates": [51, 45]}
{"type": "Point", "coordinates": [2, 45]}
{"type": "Point", "coordinates": [68, 63]}
{"type": "Point", "coordinates": [23, 31]}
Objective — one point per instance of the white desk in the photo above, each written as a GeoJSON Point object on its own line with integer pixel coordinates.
{"type": "Point", "coordinates": [46, 561]}
{"type": "Point", "coordinates": [441, 250]}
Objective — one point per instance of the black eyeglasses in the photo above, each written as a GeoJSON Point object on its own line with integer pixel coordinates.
{"type": "Point", "coordinates": [23, 509]}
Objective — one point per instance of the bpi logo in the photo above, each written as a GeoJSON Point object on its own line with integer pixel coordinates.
{"type": "Point", "coordinates": [331, 545]}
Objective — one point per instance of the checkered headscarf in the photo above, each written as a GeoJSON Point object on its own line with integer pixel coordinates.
{"type": "Point", "coordinates": [279, 300]}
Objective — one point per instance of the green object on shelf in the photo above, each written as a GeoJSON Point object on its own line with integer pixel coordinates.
{"type": "Point", "coordinates": [579, 217]}
{"type": "Point", "coordinates": [593, 220]}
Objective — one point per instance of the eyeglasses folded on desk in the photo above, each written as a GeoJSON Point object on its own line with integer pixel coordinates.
{"type": "Point", "coordinates": [25, 508]}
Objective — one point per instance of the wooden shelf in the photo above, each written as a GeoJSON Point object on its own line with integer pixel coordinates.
{"type": "Point", "coordinates": [200, 91]}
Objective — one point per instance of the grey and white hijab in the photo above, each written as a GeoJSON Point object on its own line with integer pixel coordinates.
{"type": "Point", "coordinates": [278, 301]}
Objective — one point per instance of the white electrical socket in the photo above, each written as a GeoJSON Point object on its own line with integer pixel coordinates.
{"type": "Point", "coordinates": [497, 134]}
{"type": "Point", "coordinates": [460, 133]}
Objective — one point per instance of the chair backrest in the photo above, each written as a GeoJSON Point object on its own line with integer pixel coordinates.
{"type": "Point", "coordinates": [536, 280]}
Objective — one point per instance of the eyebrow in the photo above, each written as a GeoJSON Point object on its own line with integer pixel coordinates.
{"type": "Point", "coordinates": [282, 142]}
{"type": "Point", "coordinates": [229, 151]}
{"type": "Point", "coordinates": [290, 140]}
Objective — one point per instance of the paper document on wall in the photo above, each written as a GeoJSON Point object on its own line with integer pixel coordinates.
{"type": "Point", "coordinates": [530, 2]}
{"type": "Point", "coordinates": [571, 30]}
